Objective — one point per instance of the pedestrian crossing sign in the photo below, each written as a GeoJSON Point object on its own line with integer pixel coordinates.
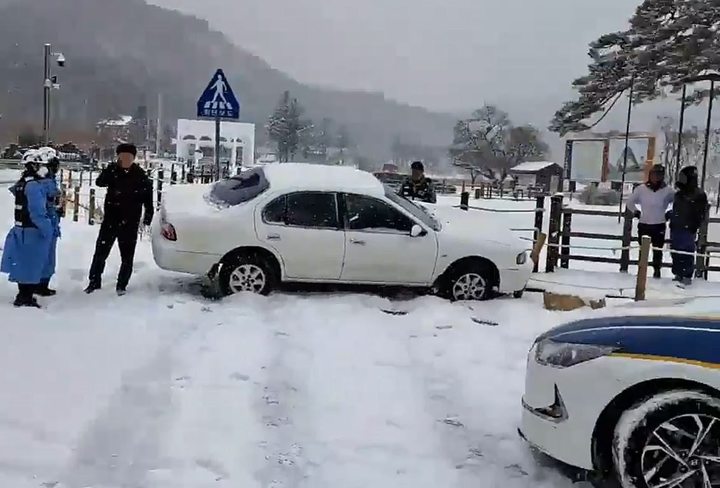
{"type": "Point", "coordinates": [218, 100]}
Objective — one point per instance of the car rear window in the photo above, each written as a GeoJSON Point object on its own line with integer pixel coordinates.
{"type": "Point", "coordinates": [239, 189]}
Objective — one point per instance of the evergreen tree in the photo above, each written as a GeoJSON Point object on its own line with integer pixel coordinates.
{"type": "Point", "coordinates": [284, 126]}
{"type": "Point", "coordinates": [667, 41]}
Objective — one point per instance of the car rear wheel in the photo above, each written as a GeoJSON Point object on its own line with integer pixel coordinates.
{"type": "Point", "coordinates": [669, 440]}
{"type": "Point", "coordinates": [247, 273]}
{"type": "Point", "coordinates": [472, 281]}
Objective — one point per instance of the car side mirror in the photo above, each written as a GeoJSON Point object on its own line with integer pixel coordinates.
{"type": "Point", "coordinates": [416, 231]}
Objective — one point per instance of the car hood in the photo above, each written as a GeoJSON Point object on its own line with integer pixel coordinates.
{"type": "Point", "coordinates": [688, 338]}
{"type": "Point", "coordinates": [471, 224]}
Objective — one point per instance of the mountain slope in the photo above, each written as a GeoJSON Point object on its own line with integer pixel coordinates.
{"type": "Point", "coordinates": [121, 53]}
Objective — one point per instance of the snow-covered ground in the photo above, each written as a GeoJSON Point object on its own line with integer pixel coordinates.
{"type": "Point", "coordinates": [164, 389]}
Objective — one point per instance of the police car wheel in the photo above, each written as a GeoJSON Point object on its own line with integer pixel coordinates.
{"type": "Point", "coordinates": [670, 439]}
{"type": "Point", "coordinates": [247, 273]}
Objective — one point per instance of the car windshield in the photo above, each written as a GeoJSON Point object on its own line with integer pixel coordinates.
{"type": "Point", "coordinates": [239, 189]}
{"type": "Point", "coordinates": [417, 211]}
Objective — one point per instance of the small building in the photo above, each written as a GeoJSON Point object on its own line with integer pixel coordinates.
{"type": "Point", "coordinates": [544, 175]}
{"type": "Point", "coordinates": [195, 141]}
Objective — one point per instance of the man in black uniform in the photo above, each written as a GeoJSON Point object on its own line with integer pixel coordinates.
{"type": "Point", "coordinates": [417, 186]}
{"type": "Point", "coordinates": [688, 212]}
{"type": "Point", "coordinates": [128, 190]}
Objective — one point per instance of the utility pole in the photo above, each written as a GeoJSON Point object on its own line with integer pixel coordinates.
{"type": "Point", "coordinates": [158, 128]}
{"type": "Point", "coordinates": [627, 142]}
{"type": "Point", "coordinates": [47, 85]}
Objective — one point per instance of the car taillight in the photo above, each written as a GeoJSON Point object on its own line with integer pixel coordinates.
{"type": "Point", "coordinates": [168, 232]}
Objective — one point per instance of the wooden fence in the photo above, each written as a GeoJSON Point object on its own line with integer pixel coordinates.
{"type": "Point", "coordinates": [561, 235]}
{"type": "Point", "coordinates": [81, 199]}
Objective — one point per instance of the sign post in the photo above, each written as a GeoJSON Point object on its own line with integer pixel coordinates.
{"type": "Point", "coordinates": [218, 102]}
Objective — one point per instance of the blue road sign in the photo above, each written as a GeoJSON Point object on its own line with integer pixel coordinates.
{"type": "Point", "coordinates": [218, 99]}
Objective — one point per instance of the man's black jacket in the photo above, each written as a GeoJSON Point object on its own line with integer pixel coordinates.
{"type": "Point", "coordinates": [128, 191]}
{"type": "Point", "coordinates": [688, 210]}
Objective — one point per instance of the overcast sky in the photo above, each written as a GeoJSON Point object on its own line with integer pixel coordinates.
{"type": "Point", "coordinates": [449, 55]}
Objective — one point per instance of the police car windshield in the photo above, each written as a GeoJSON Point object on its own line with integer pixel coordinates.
{"type": "Point", "coordinates": [417, 211]}
{"type": "Point", "coordinates": [239, 189]}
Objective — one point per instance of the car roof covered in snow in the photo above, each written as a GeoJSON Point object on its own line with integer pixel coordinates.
{"type": "Point", "coordinates": [319, 177]}
{"type": "Point", "coordinates": [532, 166]}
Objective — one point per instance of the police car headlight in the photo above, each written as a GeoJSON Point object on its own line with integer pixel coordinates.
{"type": "Point", "coordinates": [565, 355]}
{"type": "Point", "coordinates": [521, 258]}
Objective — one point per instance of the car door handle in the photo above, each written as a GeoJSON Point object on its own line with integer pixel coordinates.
{"type": "Point", "coordinates": [358, 242]}
{"type": "Point", "coordinates": [273, 237]}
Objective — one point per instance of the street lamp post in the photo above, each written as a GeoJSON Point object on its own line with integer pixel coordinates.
{"type": "Point", "coordinates": [627, 143]}
{"type": "Point", "coordinates": [49, 82]}
{"type": "Point", "coordinates": [712, 76]}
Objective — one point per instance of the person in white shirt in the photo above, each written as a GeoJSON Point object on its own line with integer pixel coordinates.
{"type": "Point", "coordinates": [654, 197]}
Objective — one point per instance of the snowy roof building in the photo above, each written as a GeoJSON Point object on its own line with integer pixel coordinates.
{"type": "Point", "coordinates": [540, 174]}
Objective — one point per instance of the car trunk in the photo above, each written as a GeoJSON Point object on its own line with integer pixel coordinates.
{"type": "Point", "coordinates": [193, 218]}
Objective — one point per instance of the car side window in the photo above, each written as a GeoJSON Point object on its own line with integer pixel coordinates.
{"type": "Point", "coordinates": [367, 213]}
{"type": "Point", "coordinates": [312, 209]}
{"type": "Point", "coordinates": [275, 211]}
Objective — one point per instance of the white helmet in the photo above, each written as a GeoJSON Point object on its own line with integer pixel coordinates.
{"type": "Point", "coordinates": [37, 159]}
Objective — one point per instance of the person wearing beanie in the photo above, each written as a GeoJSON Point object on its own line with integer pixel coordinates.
{"type": "Point", "coordinates": [417, 186]}
{"type": "Point", "coordinates": [688, 213]}
{"type": "Point", "coordinates": [129, 190]}
{"type": "Point", "coordinates": [654, 197]}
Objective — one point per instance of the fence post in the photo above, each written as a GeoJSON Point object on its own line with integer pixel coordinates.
{"type": "Point", "coordinates": [465, 200]}
{"type": "Point", "coordinates": [173, 177]}
{"type": "Point", "coordinates": [76, 204]}
{"type": "Point", "coordinates": [182, 173]}
{"type": "Point", "coordinates": [477, 193]}
{"type": "Point", "coordinates": [69, 180]}
{"type": "Point", "coordinates": [642, 269]}
{"type": "Point", "coordinates": [539, 213]}
{"type": "Point", "coordinates": [553, 232]}
{"type": "Point", "coordinates": [537, 249]}
{"type": "Point", "coordinates": [82, 172]}
{"type": "Point", "coordinates": [700, 260]}
{"type": "Point", "coordinates": [565, 249]}
{"type": "Point", "coordinates": [62, 176]}
{"type": "Point", "coordinates": [91, 207]}
{"type": "Point", "coordinates": [161, 177]}
{"type": "Point", "coordinates": [626, 241]}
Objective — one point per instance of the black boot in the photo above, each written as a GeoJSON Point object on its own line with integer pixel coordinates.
{"type": "Point", "coordinates": [44, 290]}
{"type": "Point", "coordinates": [25, 297]}
{"type": "Point", "coordinates": [657, 274]}
{"type": "Point", "coordinates": [93, 286]}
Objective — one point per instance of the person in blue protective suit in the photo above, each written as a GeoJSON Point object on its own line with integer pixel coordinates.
{"type": "Point", "coordinates": [28, 244]}
{"type": "Point", "coordinates": [55, 211]}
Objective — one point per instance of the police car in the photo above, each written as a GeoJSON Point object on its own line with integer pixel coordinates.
{"type": "Point", "coordinates": [635, 400]}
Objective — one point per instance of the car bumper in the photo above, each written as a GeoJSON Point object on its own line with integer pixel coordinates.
{"type": "Point", "coordinates": [168, 257]}
{"type": "Point", "coordinates": [515, 279]}
{"type": "Point", "coordinates": [559, 412]}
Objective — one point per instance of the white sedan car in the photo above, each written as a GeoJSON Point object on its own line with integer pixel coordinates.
{"type": "Point", "coordinates": [308, 223]}
{"type": "Point", "coordinates": [634, 400]}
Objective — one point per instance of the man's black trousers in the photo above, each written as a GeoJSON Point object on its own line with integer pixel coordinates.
{"type": "Point", "coordinates": [656, 232]}
{"type": "Point", "coordinates": [126, 235]}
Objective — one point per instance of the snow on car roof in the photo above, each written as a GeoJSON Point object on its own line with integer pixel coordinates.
{"type": "Point", "coordinates": [319, 177]}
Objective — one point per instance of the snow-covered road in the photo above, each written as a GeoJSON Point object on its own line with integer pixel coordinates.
{"type": "Point", "coordinates": [165, 389]}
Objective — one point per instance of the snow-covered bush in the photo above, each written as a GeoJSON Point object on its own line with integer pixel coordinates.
{"type": "Point", "coordinates": [592, 195]}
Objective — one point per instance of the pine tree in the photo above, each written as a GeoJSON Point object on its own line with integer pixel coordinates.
{"type": "Point", "coordinates": [284, 126]}
{"type": "Point", "coordinates": [667, 41]}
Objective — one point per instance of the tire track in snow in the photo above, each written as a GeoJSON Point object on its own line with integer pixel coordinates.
{"type": "Point", "coordinates": [473, 453]}
{"type": "Point", "coordinates": [279, 401]}
{"type": "Point", "coordinates": [123, 444]}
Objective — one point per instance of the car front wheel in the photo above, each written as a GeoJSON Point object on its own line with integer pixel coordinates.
{"type": "Point", "coordinates": [247, 273]}
{"type": "Point", "coordinates": [469, 282]}
{"type": "Point", "coordinates": [669, 440]}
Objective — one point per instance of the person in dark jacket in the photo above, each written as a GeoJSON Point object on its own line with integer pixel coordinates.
{"type": "Point", "coordinates": [28, 244]}
{"type": "Point", "coordinates": [129, 190]}
{"type": "Point", "coordinates": [687, 215]}
{"type": "Point", "coordinates": [417, 186]}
